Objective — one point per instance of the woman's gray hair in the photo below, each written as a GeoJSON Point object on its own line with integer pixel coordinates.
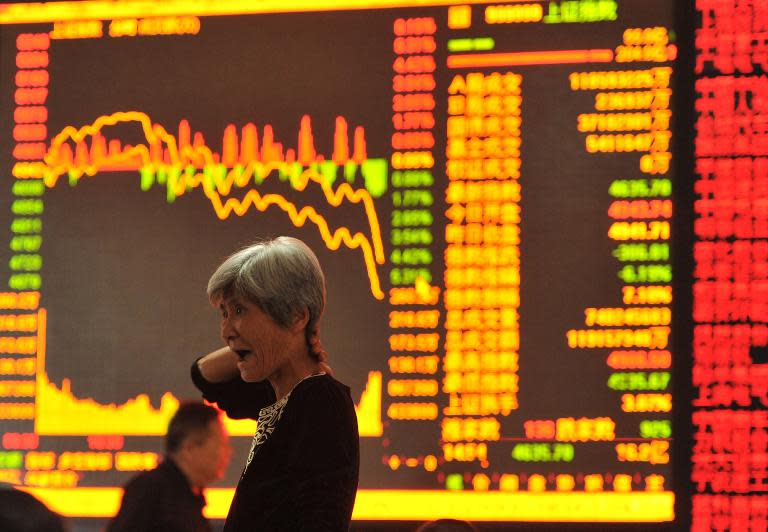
{"type": "Point", "coordinates": [281, 276]}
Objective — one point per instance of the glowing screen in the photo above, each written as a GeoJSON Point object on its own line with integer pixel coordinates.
{"type": "Point", "coordinates": [489, 190]}
{"type": "Point", "coordinates": [730, 290]}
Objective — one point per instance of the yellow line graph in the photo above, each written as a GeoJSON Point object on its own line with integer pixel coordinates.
{"type": "Point", "coordinates": [60, 413]}
{"type": "Point", "coordinates": [141, 157]}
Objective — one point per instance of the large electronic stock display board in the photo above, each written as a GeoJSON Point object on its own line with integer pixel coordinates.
{"type": "Point", "coordinates": [489, 189]}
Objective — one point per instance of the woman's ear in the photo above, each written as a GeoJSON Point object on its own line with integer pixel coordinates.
{"type": "Point", "coordinates": [300, 320]}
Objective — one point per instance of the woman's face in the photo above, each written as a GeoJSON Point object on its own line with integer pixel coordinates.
{"type": "Point", "coordinates": [262, 345]}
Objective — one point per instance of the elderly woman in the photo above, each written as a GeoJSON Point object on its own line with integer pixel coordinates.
{"type": "Point", "coordinates": [302, 470]}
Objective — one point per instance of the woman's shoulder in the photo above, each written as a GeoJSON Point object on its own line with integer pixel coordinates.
{"type": "Point", "coordinates": [320, 383]}
{"type": "Point", "coordinates": [322, 391]}
{"type": "Point", "coordinates": [323, 407]}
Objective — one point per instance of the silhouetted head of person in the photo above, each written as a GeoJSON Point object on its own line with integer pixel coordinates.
{"type": "Point", "coordinates": [21, 512]}
{"type": "Point", "coordinates": [198, 443]}
{"type": "Point", "coordinates": [447, 525]}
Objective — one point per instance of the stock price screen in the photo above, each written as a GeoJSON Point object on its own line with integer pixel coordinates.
{"type": "Point", "coordinates": [487, 186]}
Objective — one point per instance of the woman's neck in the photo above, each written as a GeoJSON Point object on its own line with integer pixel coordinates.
{"type": "Point", "coordinates": [297, 369]}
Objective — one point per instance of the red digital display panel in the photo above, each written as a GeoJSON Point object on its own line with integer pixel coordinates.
{"type": "Point", "coordinates": [730, 291]}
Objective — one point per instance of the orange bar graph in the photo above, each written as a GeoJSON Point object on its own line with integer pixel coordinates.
{"type": "Point", "coordinates": [306, 142]}
{"type": "Point", "coordinates": [174, 157]}
{"type": "Point", "coordinates": [340, 146]}
{"type": "Point", "coordinates": [243, 149]}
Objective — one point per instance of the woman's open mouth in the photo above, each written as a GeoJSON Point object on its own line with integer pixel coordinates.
{"type": "Point", "coordinates": [242, 353]}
